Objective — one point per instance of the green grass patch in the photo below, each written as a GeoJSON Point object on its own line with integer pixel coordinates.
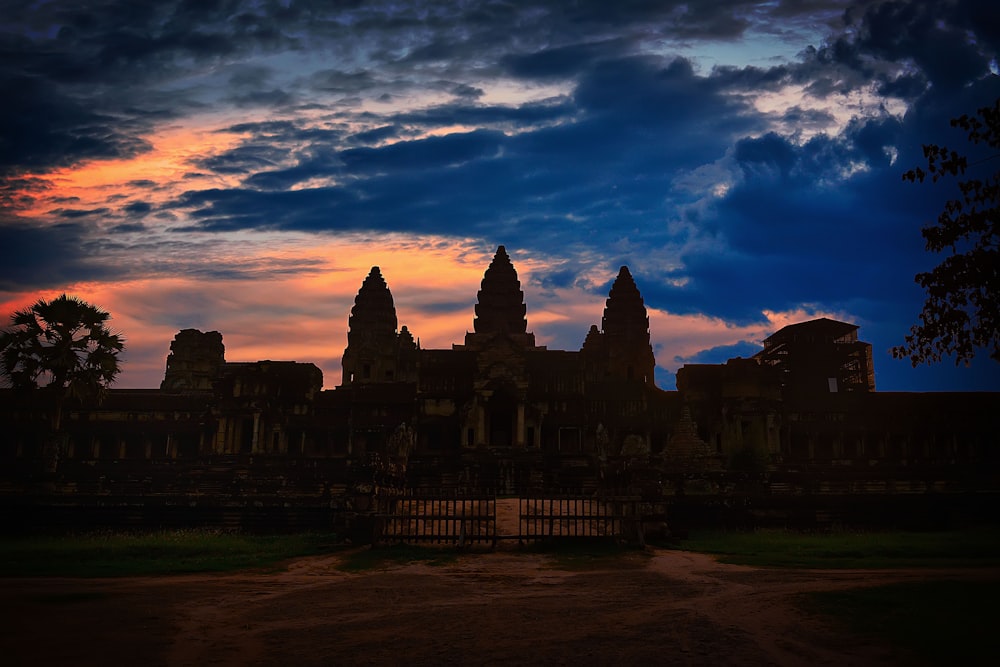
{"type": "Point", "coordinates": [583, 554]}
{"type": "Point", "coordinates": [166, 552]}
{"type": "Point", "coordinates": [382, 557]}
{"type": "Point", "coordinates": [978, 547]}
{"type": "Point", "coordinates": [939, 622]}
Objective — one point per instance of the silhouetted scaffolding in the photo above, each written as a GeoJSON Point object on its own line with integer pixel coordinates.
{"type": "Point", "coordinates": [820, 356]}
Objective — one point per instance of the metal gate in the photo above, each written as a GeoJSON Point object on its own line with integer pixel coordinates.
{"type": "Point", "coordinates": [437, 517]}
{"type": "Point", "coordinates": [567, 516]}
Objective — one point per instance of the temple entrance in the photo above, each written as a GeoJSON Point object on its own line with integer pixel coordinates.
{"type": "Point", "coordinates": [501, 410]}
{"type": "Point", "coordinates": [500, 428]}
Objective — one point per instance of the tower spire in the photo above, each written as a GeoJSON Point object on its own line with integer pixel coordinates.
{"type": "Point", "coordinates": [374, 312]}
{"type": "Point", "coordinates": [626, 332]}
{"type": "Point", "coordinates": [625, 313]}
{"type": "Point", "coordinates": [501, 306]}
{"type": "Point", "coordinates": [371, 337]}
{"type": "Point", "coordinates": [500, 309]}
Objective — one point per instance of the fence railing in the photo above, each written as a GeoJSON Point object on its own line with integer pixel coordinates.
{"type": "Point", "coordinates": [441, 519]}
{"type": "Point", "coordinates": [544, 517]}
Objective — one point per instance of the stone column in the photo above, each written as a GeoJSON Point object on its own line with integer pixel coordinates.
{"type": "Point", "coordinates": [222, 436]}
{"type": "Point", "coordinates": [519, 438]}
{"type": "Point", "coordinates": [480, 424]}
{"type": "Point", "coordinates": [254, 443]}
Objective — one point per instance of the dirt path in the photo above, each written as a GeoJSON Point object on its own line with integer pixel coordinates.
{"type": "Point", "coordinates": [497, 608]}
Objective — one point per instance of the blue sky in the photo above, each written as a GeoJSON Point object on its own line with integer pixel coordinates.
{"type": "Point", "coordinates": [239, 166]}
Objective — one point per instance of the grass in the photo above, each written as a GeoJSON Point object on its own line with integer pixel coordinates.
{"type": "Point", "coordinates": [165, 552]}
{"type": "Point", "coordinates": [398, 554]}
{"type": "Point", "coordinates": [184, 551]}
{"type": "Point", "coordinates": [938, 622]}
{"type": "Point", "coordinates": [979, 547]}
{"type": "Point", "coordinates": [935, 622]}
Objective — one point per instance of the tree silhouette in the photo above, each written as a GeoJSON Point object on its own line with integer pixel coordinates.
{"type": "Point", "coordinates": [64, 348]}
{"type": "Point", "coordinates": [962, 310]}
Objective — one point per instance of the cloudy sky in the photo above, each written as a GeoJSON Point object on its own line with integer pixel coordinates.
{"type": "Point", "coordinates": [240, 165]}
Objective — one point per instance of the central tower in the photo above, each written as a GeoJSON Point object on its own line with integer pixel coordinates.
{"type": "Point", "coordinates": [496, 415]}
{"type": "Point", "coordinates": [500, 309]}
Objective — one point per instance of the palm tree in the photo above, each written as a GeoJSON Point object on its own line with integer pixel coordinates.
{"type": "Point", "coordinates": [64, 347]}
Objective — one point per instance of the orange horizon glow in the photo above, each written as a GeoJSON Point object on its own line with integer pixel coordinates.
{"type": "Point", "coordinates": [304, 316]}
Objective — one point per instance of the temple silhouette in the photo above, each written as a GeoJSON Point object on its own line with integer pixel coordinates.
{"type": "Point", "coordinates": [796, 432]}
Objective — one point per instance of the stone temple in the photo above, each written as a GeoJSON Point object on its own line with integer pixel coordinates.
{"type": "Point", "coordinates": [498, 411]}
{"type": "Point", "coordinates": [499, 389]}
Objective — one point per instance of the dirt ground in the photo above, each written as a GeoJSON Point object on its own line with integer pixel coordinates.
{"type": "Point", "coordinates": [498, 608]}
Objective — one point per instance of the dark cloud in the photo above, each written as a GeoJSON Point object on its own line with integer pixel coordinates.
{"type": "Point", "coordinates": [247, 158]}
{"type": "Point", "coordinates": [264, 129]}
{"type": "Point", "coordinates": [771, 152]}
{"type": "Point", "coordinates": [128, 52]}
{"type": "Point", "coordinates": [128, 228]}
{"type": "Point", "coordinates": [827, 223]}
{"type": "Point", "coordinates": [751, 78]}
{"type": "Point", "coordinates": [808, 119]}
{"type": "Point", "coordinates": [52, 256]}
{"type": "Point", "coordinates": [262, 98]}
{"type": "Point", "coordinates": [339, 81]}
{"type": "Point", "coordinates": [523, 115]}
{"type": "Point", "coordinates": [252, 77]}
{"type": "Point", "coordinates": [935, 35]}
{"type": "Point", "coordinates": [902, 46]}
{"type": "Point", "coordinates": [86, 75]}
{"type": "Point", "coordinates": [42, 128]}
{"type": "Point", "coordinates": [429, 153]}
{"type": "Point", "coordinates": [721, 353]}
{"type": "Point", "coordinates": [715, 19]}
{"type": "Point", "coordinates": [557, 279]}
{"type": "Point", "coordinates": [560, 62]}
{"type": "Point", "coordinates": [466, 91]}
{"type": "Point", "coordinates": [375, 135]}
{"type": "Point", "coordinates": [607, 156]}
{"type": "Point", "coordinates": [137, 208]}
{"type": "Point", "coordinates": [904, 86]}
{"type": "Point", "coordinates": [72, 213]}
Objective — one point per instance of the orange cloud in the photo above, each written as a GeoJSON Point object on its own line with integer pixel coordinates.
{"type": "Point", "coordinates": [166, 163]}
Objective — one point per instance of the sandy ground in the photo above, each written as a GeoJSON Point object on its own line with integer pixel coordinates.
{"type": "Point", "coordinates": [499, 608]}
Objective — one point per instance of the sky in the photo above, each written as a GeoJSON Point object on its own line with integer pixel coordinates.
{"type": "Point", "coordinates": [240, 166]}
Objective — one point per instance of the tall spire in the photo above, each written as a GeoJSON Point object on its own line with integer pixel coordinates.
{"type": "Point", "coordinates": [373, 311]}
{"type": "Point", "coordinates": [626, 332]}
{"type": "Point", "coordinates": [371, 337]}
{"type": "Point", "coordinates": [624, 312]}
{"type": "Point", "coordinates": [501, 306]}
